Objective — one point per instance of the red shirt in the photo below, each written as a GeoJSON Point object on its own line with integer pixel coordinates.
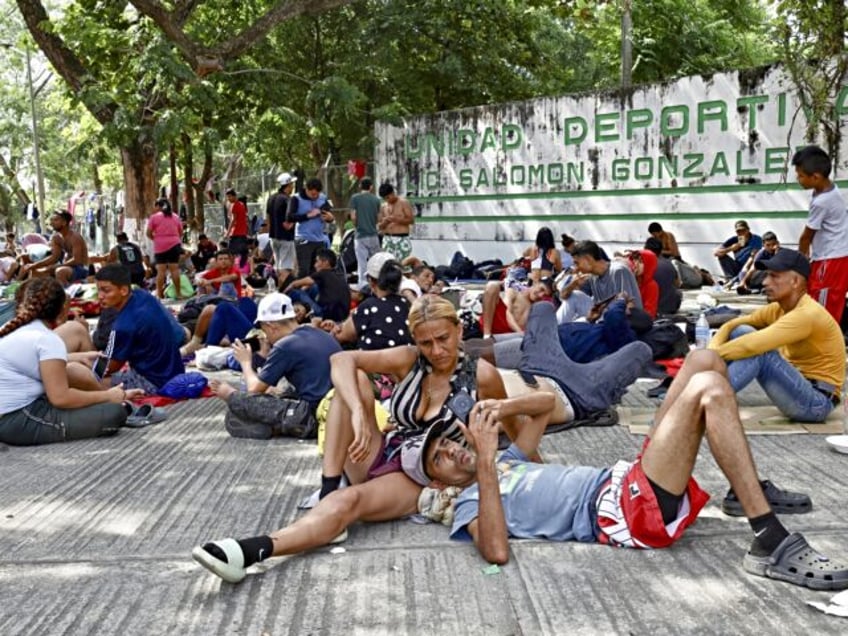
{"type": "Point", "coordinates": [239, 223]}
{"type": "Point", "coordinates": [217, 273]}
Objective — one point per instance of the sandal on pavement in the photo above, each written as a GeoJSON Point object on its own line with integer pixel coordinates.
{"type": "Point", "coordinates": [782, 502]}
{"type": "Point", "coordinates": [795, 561]}
{"type": "Point", "coordinates": [232, 570]}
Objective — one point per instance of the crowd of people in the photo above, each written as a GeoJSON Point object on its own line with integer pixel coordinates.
{"type": "Point", "coordinates": [559, 338]}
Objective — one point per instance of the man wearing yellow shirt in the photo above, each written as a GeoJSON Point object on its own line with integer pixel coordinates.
{"type": "Point", "coordinates": [793, 347]}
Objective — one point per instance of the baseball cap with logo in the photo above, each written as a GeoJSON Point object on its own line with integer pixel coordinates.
{"type": "Point", "coordinates": [785, 260]}
{"type": "Point", "coordinates": [273, 307]}
{"type": "Point", "coordinates": [284, 178]}
{"type": "Point", "coordinates": [376, 262]}
{"type": "Point", "coordinates": [413, 454]}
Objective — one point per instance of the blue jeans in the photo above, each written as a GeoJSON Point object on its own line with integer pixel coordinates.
{"type": "Point", "coordinates": [790, 391]}
{"type": "Point", "coordinates": [233, 320]}
{"type": "Point", "coordinates": [307, 299]}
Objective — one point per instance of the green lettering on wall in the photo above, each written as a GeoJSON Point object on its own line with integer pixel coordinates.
{"type": "Point", "coordinates": [740, 171]}
{"type": "Point", "coordinates": [482, 179]}
{"type": "Point", "coordinates": [669, 166]}
{"type": "Point", "coordinates": [720, 165]}
{"type": "Point", "coordinates": [536, 174]}
{"type": "Point", "coordinates": [576, 172]}
{"type": "Point", "coordinates": [489, 140]}
{"type": "Point", "coordinates": [432, 179]}
{"type": "Point", "coordinates": [840, 108]}
{"type": "Point", "coordinates": [638, 118]}
{"type": "Point", "coordinates": [781, 109]}
{"type": "Point", "coordinates": [413, 151]}
{"type": "Point", "coordinates": [667, 128]}
{"type": "Point", "coordinates": [466, 178]}
{"type": "Point", "coordinates": [776, 160]}
{"type": "Point", "coordinates": [511, 137]}
{"type": "Point", "coordinates": [713, 110]}
{"type": "Point", "coordinates": [575, 130]}
{"type": "Point", "coordinates": [694, 161]}
{"type": "Point", "coordinates": [605, 127]}
{"type": "Point", "coordinates": [643, 168]}
{"type": "Point", "coordinates": [465, 141]}
{"type": "Point", "coordinates": [498, 177]}
{"type": "Point", "coordinates": [436, 143]}
{"type": "Point", "coordinates": [620, 170]}
{"type": "Point", "coordinates": [555, 173]}
{"type": "Point", "coordinates": [750, 102]}
{"type": "Point", "coordinates": [517, 174]}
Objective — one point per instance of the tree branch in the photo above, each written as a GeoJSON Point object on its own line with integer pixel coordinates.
{"type": "Point", "coordinates": [172, 28]}
{"type": "Point", "coordinates": [182, 11]}
{"type": "Point", "coordinates": [66, 63]}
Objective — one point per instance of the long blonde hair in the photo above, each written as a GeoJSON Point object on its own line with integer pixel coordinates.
{"type": "Point", "coordinates": [429, 307]}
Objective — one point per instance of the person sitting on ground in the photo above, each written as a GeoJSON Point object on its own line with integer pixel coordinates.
{"type": "Point", "coordinates": [325, 291]}
{"type": "Point", "coordinates": [129, 255]}
{"type": "Point", "coordinates": [565, 256]}
{"type": "Point", "coordinates": [735, 251]}
{"type": "Point", "coordinates": [508, 314]}
{"type": "Point", "coordinates": [206, 250]}
{"type": "Point", "coordinates": [46, 394]}
{"type": "Point", "coordinates": [647, 503]}
{"type": "Point", "coordinates": [420, 281]}
{"type": "Point", "coordinates": [11, 247]}
{"type": "Point", "coordinates": [8, 268]}
{"type": "Point", "coordinates": [792, 346]}
{"type": "Point", "coordinates": [750, 278]}
{"type": "Point", "coordinates": [643, 264]}
{"type": "Point", "coordinates": [223, 279]}
{"type": "Point", "coordinates": [144, 335]}
{"type": "Point", "coordinates": [668, 282]}
{"type": "Point", "coordinates": [669, 242]}
{"type": "Point", "coordinates": [379, 322]}
{"type": "Point", "coordinates": [600, 277]}
{"type": "Point", "coordinates": [67, 248]}
{"type": "Point", "coordinates": [166, 232]}
{"type": "Point", "coordinates": [439, 386]}
{"type": "Point", "coordinates": [219, 321]}
{"type": "Point", "coordinates": [545, 260]}
{"type": "Point", "coordinates": [299, 353]}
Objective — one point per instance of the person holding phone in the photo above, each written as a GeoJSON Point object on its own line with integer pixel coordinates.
{"type": "Point", "coordinates": [46, 394]}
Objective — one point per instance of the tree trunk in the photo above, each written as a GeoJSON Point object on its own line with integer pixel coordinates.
{"type": "Point", "coordinates": [175, 186]}
{"type": "Point", "coordinates": [188, 184]}
{"type": "Point", "coordinates": [200, 189]}
{"type": "Point", "coordinates": [139, 160]}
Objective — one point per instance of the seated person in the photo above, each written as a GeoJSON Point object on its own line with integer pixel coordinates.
{"type": "Point", "coordinates": [206, 249]}
{"type": "Point", "coordinates": [643, 264]}
{"type": "Point", "coordinates": [378, 322]}
{"type": "Point", "coordinates": [130, 256]}
{"type": "Point", "coordinates": [8, 268]}
{"type": "Point", "coordinates": [324, 290]}
{"type": "Point", "coordinates": [509, 314]}
{"type": "Point", "coordinates": [230, 320]}
{"type": "Point", "coordinates": [668, 282]}
{"type": "Point", "coordinates": [299, 353]}
{"type": "Point", "coordinates": [545, 260]}
{"type": "Point", "coordinates": [223, 279]}
{"type": "Point", "coordinates": [735, 251]}
{"type": "Point", "coordinates": [666, 239]}
{"type": "Point", "coordinates": [144, 335]}
{"type": "Point", "coordinates": [420, 281]}
{"type": "Point", "coordinates": [793, 347]}
{"type": "Point", "coordinates": [46, 394]}
{"type": "Point", "coordinates": [750, 278]}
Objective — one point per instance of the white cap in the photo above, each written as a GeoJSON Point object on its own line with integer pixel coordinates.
{"type": "Point", "coordinates": [376, 262]}
{"type": "Point", "coordinates": [284, 178]}
{"type": "Point", "coordinates": [273, 307]}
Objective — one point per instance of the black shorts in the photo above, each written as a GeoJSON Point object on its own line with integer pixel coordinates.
{"type": "Point", "coordinates": [169, 257]}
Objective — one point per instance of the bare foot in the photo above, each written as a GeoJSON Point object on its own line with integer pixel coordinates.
{"type": "Point", "coordinates": [222, 389]}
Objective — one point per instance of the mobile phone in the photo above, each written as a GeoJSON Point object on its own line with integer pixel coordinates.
{"type": "Point", "coordinates": [253, 343]}
{"type": "Point", "coordinates": [460, 404]}
{"type": "Point", "coordinates": [100, 367]}
{"type": "Point", "coordinates": [605, 301]}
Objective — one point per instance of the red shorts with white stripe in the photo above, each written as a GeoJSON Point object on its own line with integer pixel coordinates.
{"type": "Point", "coordinates": [630, 516]}
{"type": "Point", "coordinates": [828, 284]}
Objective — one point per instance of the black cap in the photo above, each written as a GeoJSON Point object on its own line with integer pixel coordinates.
{"type": "Point", "coordinates": [785, 260]}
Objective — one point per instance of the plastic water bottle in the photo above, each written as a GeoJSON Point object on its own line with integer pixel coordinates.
{"type": "Point", "coordinates": [271, 285]}
{"type": "Point", "coordinates": [702, 332]}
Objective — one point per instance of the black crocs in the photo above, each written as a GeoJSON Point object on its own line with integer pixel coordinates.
{"type": "Point", "coordinates": [782, 502]}
{"type": "Point", "coordinates": [795, 561]}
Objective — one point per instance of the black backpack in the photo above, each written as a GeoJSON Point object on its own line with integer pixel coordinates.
{"type": "Point", "coordinates": [666, 340]}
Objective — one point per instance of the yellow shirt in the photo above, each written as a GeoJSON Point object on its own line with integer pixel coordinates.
{"type": "Point", "coordinates": [807, 337]}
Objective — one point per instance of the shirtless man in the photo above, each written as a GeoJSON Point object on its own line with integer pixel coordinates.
{"type": "Point", "coordinates": [66, 243]}
{"type": "Point", "coordinates": [396, 217]}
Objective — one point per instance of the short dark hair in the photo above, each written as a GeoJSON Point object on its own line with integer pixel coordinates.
{"type": "Point", "coordinates": [588, 248]}
{"type": "Point", "coordinates": [769, 236]}
{"type": "Point", "coordinates": [230, 191]}
{"type": "Point", "coordinates": [385, 190]}
{"type": "Point", "coordinates": [223, 252]}
{"type": "Point", "coordinates": [566, 240]}
{"type": "Point", "coordinates": [365, 184]}
{"type": "Point", "coordinates": [314, 184]}
{"type": "Point", "coordinates": [326, 254]}
{"type": "Point", "coordinates": [654, 227]}
{"type": "Point", "coordinates": [66, 216]}
{"type": "Point", "coordinates": [812, 160]}
{"type": "Point", "coordinates": [202, 237]}
{"type": "Point", "coordinates": [653, 244]}
{"type": "Point", "coordinates": [116, 274]}
{"type": "Point", "coordinates": [122, 236]}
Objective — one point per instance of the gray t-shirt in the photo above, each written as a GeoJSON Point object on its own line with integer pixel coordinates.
{"type": "Point", "coordinates": [367, 207]}
{"type": "Point", "coordinates": [618, 278]}
{"type": "Point", "coordinates": [540, 501]}
{"type": "Point", "coordinates": [829, 218]}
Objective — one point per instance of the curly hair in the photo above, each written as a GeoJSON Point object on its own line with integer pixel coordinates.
{"type": "Point", "coordinates": [38, 299]}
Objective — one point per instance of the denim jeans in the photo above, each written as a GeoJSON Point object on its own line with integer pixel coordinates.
{"type": "Point", "coordinates": [590, 387]}
{"type": "Point", "coordinates": [790, 391]}
{"type": "Point", "coordinates": [365, 248]}
{"type": "Point", "coordinates": [233, 320]}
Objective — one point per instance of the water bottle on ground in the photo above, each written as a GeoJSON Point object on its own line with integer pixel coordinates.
{"type": "Point", "coordinates": [702, 332]}
{"type": "Point", "coordinates": [271, 285]}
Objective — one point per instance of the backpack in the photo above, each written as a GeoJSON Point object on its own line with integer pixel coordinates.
{"type": "Point", "coordinates": [690, 276]}
{"type": "Point", "coordinates": [666, 340]}
{"type": "Point", "coordinates": [265, 416]}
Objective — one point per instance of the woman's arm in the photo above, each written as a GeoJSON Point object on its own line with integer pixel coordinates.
{"type": "Point", "coordinates": [54, 376]}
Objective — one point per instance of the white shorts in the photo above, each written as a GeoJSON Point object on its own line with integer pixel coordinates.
{"type": "Point", "coordinates": [284, 254]}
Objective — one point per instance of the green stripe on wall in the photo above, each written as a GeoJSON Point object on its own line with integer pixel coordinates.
{"type": "Point", "coordinates": [634, 216]}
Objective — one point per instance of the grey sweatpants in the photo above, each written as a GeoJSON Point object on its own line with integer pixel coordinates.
{"type": "Point", "coordinates": [42, 423]}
